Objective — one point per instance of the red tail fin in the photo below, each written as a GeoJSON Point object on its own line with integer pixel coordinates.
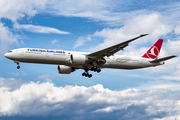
{"type": "Point", "coordinates": [154, 51]}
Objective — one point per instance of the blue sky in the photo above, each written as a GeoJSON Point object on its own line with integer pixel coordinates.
{"type": "Point", "coordinates": [38, 92]}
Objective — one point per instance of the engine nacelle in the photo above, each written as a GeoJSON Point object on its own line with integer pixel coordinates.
{"type": "Point", "coordinates": [78, 59]}
{"type": "Point", "coordinates": [62, 69]}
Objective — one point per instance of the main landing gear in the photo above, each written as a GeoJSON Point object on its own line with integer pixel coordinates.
{"type": "Point", "coordinates": [86, 73]}
{"type": "Point", "coordinates": [95, 69]}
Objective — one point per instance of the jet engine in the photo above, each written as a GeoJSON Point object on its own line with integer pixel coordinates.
{"type": "Point", "coordinates": [78, 59]}
{"type": "Point", "coordinates": [62, 69]}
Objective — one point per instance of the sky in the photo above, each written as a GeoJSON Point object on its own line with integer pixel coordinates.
{"type": "Point", "coordinates": [37, 91]}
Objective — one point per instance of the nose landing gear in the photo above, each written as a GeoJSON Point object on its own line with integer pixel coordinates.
{"type": "Point", "coordinates": [17, 62]}
{"type": "Point", "coordinates": [18, 67]}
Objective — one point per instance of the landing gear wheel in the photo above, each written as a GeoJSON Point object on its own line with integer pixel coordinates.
{"type": "Point", "coordinates": [98, 70]}
{"type": "Point", "coordinates": [90, 75]}
{"type": "Point", "coordinates": [83, 74]}
{"type": "Point", "coordinates": [86, 74]}
{"type": "Point", "coordinates": [95, 69]}
{"type": "Point", "coordinates": [18, 67]}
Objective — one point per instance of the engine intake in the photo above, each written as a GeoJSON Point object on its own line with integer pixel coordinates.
{"type": "Point", "coordinates": [78, 59]}
{"type": "Point", "coordinates": [62, 69]}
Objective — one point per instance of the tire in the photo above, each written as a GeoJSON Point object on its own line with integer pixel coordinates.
{"type": "Point", "coordinates": [99, 70]}
{"type": "Point", "coordinates": [86, 75]}
{"type": "Point", "coordinates": [90, 75]}
{"type": "Point", "coordinates": [18, 67]}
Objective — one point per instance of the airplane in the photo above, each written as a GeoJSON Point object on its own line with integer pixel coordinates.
{"type": "Point", "coordinates": [69, 61]}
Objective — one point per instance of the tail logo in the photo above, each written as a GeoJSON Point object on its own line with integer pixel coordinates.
{"type": "Point", "coordinates": [153, 53]}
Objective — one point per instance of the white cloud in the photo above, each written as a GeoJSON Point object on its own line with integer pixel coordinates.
{"type": "Point", "coordinates": [177, 29]}
{"type": "Point", "coordinates": [141, 24]}
{"type": "Point", "coordinates": [17, 9]}
{"type": "Point", "coordinates": [31, 99]}
{"type": "Point", "coordinates": [101, 10]}
{"type": "Point", "coordinates": [113, 13]}
{"type": "Point", "coordinates": [169, 118]}
{"type": "Point", "coordinates": [95, 10]}
{"type": "Point", "coordinates": [54, 41]}
{"type": "Point", "coordinates": [81, 40]}
{"type": "Point", "coordinates": [18, 74]}
{"type": "Point", "coordinates": [10, 83]}
{"type": "Point", "coordinates": [172, 47]}
{"type": "Point", "coordinates": [160, 84]}
{"type": "Point", "coordinates": [46, 77]}
{"type": "Point", "coordinates": [38, 29]}
{"type": "Point", "coordinates": [7, 38]}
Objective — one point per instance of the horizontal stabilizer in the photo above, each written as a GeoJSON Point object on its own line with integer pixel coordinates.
{"type": "Point", "coordinates": [163, 59]}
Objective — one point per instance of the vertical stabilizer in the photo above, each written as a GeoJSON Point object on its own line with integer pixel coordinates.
{"type": "Point", "coordinates": [154, 51]}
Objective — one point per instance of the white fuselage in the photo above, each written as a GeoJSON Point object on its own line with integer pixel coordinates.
{"type": "Point", "coordinates": [61, 57]}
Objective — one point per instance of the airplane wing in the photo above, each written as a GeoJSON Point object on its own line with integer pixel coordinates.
{"type": "Point", "coordinates": [163, 59]}
{"type": "Point", "coordinates": [113, 49]}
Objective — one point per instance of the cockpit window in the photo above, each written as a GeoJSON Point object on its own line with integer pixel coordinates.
{"type": "Point", "coordinates": [10, 51]}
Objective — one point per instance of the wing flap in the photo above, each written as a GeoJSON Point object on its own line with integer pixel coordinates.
{"type": "Point", "coordinates": [113, 49]}
{"type": "Point", "coordinates": [163, 59]}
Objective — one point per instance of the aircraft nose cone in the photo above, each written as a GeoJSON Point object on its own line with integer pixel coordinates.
{"type": "Point", "coordinates": [6, 55]}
